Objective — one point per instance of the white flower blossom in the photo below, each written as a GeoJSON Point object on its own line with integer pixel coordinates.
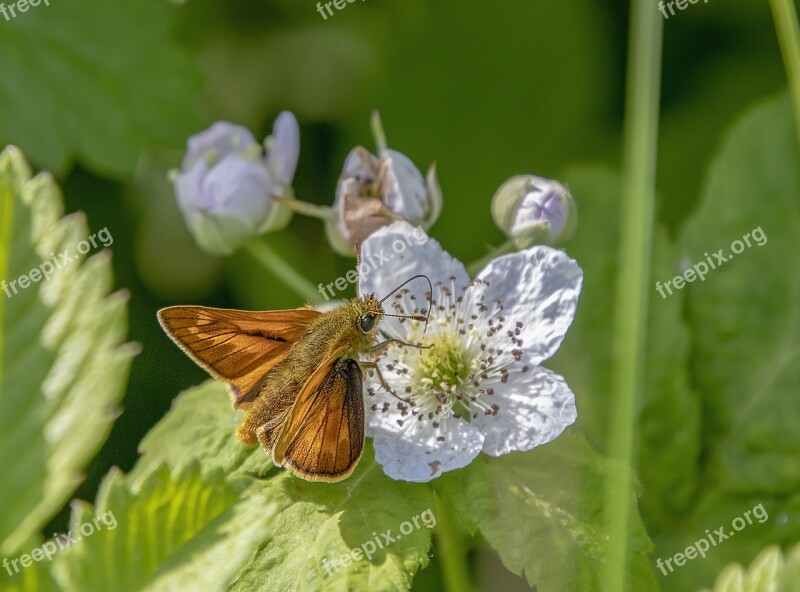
{"type": "Point", "coordinates": [479, 386]}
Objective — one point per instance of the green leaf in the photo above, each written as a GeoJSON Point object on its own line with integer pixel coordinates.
{"type": "Point", "coordinates": [746, 338]}
{"type": "Point", "coordinates": [669, 412]}
{"type": "Point", "coordinates": [88, 81]}
{"type": "Point", "coordinates": [62, 362]}
{"type": "Point", "coordinates": [745, 314]}
{"type": "Point", "coordinates": [141, 532]}
{"type": "Point", "coordinates": [200, 427]}
{"type": "Point", "coordinates": [37, 577]}
{"type": "Point", "coordinates": [323, 532]}
{"type": "Point", "coordinates": [542, 512]}
{"type": "Point", "coordinates": [303, 529]}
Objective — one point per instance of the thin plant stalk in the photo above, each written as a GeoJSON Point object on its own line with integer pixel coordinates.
{"type": "Point", "coordinates": [630, 310]}
{"type": "Point", "coordinates": [785, 17]}
{"type": "Point", "coordinates": [451, 549]}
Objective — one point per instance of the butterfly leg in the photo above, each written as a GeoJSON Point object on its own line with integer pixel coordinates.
{"type": "Point", "coordinates": [382, 380]}
{"type": "Point", "coordinates": [374, 366]}
{"type": "Point", "coordinates": [384, 344]}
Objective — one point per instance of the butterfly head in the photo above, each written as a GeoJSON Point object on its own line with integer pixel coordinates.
{"type": "Point", "coordinates": [368, 311]}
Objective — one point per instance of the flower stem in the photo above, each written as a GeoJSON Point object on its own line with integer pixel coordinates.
{"type": "Point", "coordinates": [305, 208]}
{"type": "Point", "coordinates": [785, 17]}
{"type": "Point", "coordinates": [630, 314]}
{"type": "Point", "coordinates": [377, 131]}
{"type": "Point", "coordinates": [451, 549]}
{"type": "Point", "coordinates": [282, 270]}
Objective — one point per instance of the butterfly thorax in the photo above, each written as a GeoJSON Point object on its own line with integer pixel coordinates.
{"type": "Point", "coordinates": [339, 331]}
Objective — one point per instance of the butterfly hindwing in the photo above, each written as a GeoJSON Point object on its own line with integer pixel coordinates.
{"type": "Point", "coordinates": [323, 437]}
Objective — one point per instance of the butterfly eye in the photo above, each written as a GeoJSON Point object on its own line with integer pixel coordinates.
{"type": "Point", "coordinates": [367, 323]}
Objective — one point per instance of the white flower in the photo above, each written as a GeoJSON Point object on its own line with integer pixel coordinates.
{"type": "Point", "coordinates": [226, 184]}
{"type": "Point", "coordinates": [480, 386]}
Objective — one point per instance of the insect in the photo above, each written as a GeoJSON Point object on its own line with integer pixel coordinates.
{"type": "Point", "coordinates": [297, 373]}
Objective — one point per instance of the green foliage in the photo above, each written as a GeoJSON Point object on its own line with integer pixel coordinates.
{"type": "Point", "coordinates": [544, 513]}
{"type": "Point", "coordinates": [62, 362]}
{"type": "Point", "coordinates": [93, 83]}
{"type": "Point", "coordinates": [279, 531]}
{"type": "Point", "coordinates": [747, 322]}
{"type": "Point", "coordinates": [745, 339]}
{"type": "Point", "coordinates": [669, 414]}
{"type": "Point", "coordinates": [88, 81]}
{"type": "Point", "coordinates": [139, 532]}
{"type": "Point", "coordinates": [199, 509]}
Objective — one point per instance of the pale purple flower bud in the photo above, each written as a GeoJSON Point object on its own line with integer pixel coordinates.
{"type": "Point", "coordinates": [226, 186]}
{"type": "Point", "coordinates": [534, 211]}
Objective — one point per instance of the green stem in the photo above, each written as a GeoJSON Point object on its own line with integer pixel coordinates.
{"type": "Point", "coordinates": [377, 131]}
{"type": "Point", "coordinates": [305, 208]}
{"type": "Point", "coordinates": [630, 313]}
{"type": "Point", "coordinates": [785, 16]}
{"type": "Point", "coordinates": [451, 549]}
{"type": "Point", "coordinates": [282, 270]}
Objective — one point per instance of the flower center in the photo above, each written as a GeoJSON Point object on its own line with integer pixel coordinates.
{"type": "Point", "coordinates": [443, 365]}
{"type": "Point", "coordinates": [455, 375]}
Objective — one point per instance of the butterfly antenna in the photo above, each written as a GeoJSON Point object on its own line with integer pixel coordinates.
{"type": "Point", "coordinates": [415, 317]}
{"type": "Point", "coordinates": [358, 269]}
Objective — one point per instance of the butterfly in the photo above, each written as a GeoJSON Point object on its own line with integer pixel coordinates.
{"type": "Point", "coordinates": [297, 373]}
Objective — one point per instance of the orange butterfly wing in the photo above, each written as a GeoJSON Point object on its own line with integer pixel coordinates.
{"type": "Point", "coordinates": [323, 436]}
{"type": "Point", "coordinates": [236, 346]}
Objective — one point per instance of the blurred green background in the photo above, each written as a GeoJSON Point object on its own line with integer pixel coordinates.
{"type": "Point", "coordinates": [105, 95]}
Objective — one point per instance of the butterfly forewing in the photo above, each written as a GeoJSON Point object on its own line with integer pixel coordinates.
{"type": "Point", "coordinates": [237, 347]}
{"type": "Point", "coordinates": [323, 437]}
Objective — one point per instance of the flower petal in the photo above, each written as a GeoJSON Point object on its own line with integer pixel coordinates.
{"type": "Point", "coordinates": [397, 252]}
{"type": "Point", "coordinates": [284, 148]}
{"type": "Point", "coordinates": [534, 408]}
{"type": "Point", "coordinates": [360, 170]}
{"type": "Point", "coordinates": [403, 188]}
{"type": "Point", "coordinates": [189, 191]}
{"type": "Point", "coordinates": [415, 454]}
{"type": "Point", "coordinates": [239, 188]}
{"type": "Point", "coordinates": [539, 290]}
{"type": "Point", "coordinates": [217, 142]}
